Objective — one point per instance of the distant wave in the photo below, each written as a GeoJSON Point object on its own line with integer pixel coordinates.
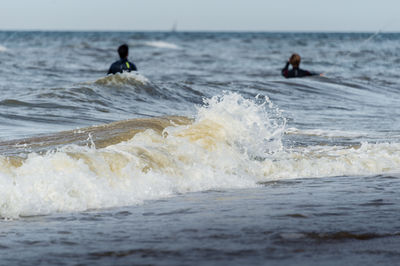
{"type": "Point", "coordinates": [161, 44]}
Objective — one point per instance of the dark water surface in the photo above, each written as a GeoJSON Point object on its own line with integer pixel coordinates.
{"type": "Point", "coordinates": [327, 221]}
{"type": "Point", "coordinates": [199, 169]}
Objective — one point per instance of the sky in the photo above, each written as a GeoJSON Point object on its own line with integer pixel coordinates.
{"type": "Point", "coordinates": [201, 15]}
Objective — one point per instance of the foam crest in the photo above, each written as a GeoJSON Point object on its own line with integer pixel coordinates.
{"type": "Point", "coordinates": [3, 48]}
{"type": "Point", "coordinates": [255, 125]}
{"type": "Point", "coordinates": [123, 79]}
{"type": "Point", "coordinates": [161, 44]}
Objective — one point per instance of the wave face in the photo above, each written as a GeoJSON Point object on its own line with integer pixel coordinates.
{"type": "Point", "coordinates": [232, 142]}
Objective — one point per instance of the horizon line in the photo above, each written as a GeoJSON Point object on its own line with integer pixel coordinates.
{"type": "Point", "coordinates": [196, 31]}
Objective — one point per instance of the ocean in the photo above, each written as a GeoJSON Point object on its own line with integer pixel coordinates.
{"type": "Point", "coordinates": [205, 156]}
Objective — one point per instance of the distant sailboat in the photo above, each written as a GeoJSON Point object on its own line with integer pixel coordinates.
{"type": "Point", "coordinates": [174, 27]}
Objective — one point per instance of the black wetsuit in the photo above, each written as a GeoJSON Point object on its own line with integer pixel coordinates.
{"type": "Point", "coordinates": [121, 66]}
{"type": "Point", "coordinates": [295, 72]}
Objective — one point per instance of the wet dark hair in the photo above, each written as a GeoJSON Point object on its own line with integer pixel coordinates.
{"type": "Point", "coordinates": [123, 51]}
{"type": "Point", "coordinates": [295, 60]}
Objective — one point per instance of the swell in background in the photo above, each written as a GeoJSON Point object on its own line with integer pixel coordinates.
{"type": "Point", "coordinates": [53, 81]}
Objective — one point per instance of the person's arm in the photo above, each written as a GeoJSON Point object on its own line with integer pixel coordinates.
{"type": "Point", "coordinates": [310, 73]}
{"type": "Point", "coordinates": [285, 70]}
{"type": "Point", "coordinates": [134, 68]}
{"type": "Point", "coordinates": [111, 70]}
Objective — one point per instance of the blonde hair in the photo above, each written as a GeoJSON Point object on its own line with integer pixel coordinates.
{"type": "Point", "coordinates": [295, 60]}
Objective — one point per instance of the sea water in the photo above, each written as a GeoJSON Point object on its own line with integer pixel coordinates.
{"type": "Point", "coordinates": [207, 155]}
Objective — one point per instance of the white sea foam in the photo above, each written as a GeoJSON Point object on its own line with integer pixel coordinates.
{"type": "Point", "coordinates": [3, 48]}
{"type": "Point", "coordinates": [324, 161]}
{"type": "Point", "coordinates": [125, 78]}
{"type": "Point", "coordinates": [326, 133]}
{"type": "Point", "coordinates": [161, 44]}
{"type": "Point", "coordinates": [232, 143]}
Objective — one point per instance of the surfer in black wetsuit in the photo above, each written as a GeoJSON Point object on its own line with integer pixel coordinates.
{"type": "Point", "coordinates": [295, 72]}
{"type": "Point", "coordinates": [123, 64]}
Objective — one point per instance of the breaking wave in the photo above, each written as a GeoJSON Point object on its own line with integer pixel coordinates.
{"type": "Point", "coordinates": [231, 142]}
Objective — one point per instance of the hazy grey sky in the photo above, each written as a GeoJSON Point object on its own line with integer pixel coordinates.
{"type": "Point", "coordinates": [253, 15]}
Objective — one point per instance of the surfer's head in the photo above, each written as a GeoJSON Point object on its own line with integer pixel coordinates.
{"type": "Point", "coordinates": [123, 51]}
{"type": "Point", "coordinates": [295, 60]}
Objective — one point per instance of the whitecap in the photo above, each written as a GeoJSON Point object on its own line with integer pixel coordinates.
{"type": "Point", "coordinates": [161, 44]}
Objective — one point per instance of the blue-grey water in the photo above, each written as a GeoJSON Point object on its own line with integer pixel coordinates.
{"type": "Point", "coordinates": [207, 155]}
